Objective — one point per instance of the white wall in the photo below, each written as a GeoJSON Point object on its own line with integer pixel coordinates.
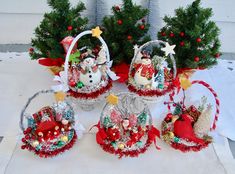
{"type": "Point", "coordinates": [18, 18]}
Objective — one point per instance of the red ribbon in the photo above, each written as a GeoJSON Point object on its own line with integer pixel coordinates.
{"type": "Point", "coordinates": [51, 61]}
{"type": "Point", "coordinates": [152, 134]}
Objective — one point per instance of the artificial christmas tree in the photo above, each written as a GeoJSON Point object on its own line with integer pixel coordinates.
{"type": "Point", "coordinates": [195, 36]}
{"type": "Point", "coordinates": [61, 22]}
{"type": "Point", "coordinates": [125, 28]}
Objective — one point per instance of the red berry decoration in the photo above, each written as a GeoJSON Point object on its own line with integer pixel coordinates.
{"type": "Point", "coordinates": [196, 59]}
{"type": "Point", "coordinates": [217, 55]}
{"type": "Point", "coordinates": [117, 8]}
{"type": "Point", "coordinates": [163, 33]}
{"type": "Point", "coordinates": [23, 140]}
{"type": "Point", "coordinates": [182, 34]}
{"type": "Point", "coordinates": [142, 27]}
{"type": "Point", "coordinates": [199, 40]}
{"type": "Point", "coordinates": [129, 37]}
{"type": "Point", "coordinates": [23, 146]}
{"type": "Point", "coordinates": [171, 35]}
{"type": "Point", "coordinates": [31, 50]}
{"type": "Point", "coordinates": [70, 28]}
{"type": "Point", "coordinates": [119, 22]}
{"type": "Point", "coordinates": [182, 44]}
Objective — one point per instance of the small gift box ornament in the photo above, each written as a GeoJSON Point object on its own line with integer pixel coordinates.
{"type": "Point", "coordinates": [49, 131]}
{"type": "Point", "coordinates": [150, 75]}
{"type": "Point", "coordinates": [87, 75]}
{"type": "Point", "coordinates": [187, 128]}
{"type": "Point", "coordinates": [125, 127]}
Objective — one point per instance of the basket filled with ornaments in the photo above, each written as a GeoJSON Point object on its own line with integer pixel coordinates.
{"type": "Point", "coordinates": [87, 76]}
{"type": "Point", "coordinates": [152, 72]}
{"type": "Point", "coordinates": [125, 127]}
{"type": "Point", "coordinates": [188, 127]}
{"type": "Point", "coordinates": [49, 131]}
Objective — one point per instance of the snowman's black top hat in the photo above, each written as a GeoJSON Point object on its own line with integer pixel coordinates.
{"type": "Point", "coordinates": [146, 54]}
{"type": "Point", "coordinates": [85, 54]}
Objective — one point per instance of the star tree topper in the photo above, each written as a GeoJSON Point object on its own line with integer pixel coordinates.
{"type": "Point", "coordinates": [168, 49]}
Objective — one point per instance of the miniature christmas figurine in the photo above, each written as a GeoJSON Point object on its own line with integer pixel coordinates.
{"type": "Point", "coordinates": [90, 73]}
{"type": "Point", "coordinates": [144, 71]}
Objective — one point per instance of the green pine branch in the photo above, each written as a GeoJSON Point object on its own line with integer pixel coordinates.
{"type": "Point", "coordinates": [125, 28]}
{"type": "Point", "coordinates": [54, 28]}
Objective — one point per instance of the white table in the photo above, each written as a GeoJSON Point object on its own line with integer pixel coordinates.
{"type": "Point", "coordinates": [20, 78]}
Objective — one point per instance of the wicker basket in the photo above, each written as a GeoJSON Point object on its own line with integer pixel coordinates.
{"type": "Point", "coordinates": [87, 95]}
{"type": "Point", "coordinates": [187, 127]}
{"type": "Point", "coordinates": [125, 127]}
{"type": "Point", "coordinates": [148, 77]}
{"type": "Point", "coordinates": [49, 131]}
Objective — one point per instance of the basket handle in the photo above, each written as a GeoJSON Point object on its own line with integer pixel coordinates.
{"type": "Point", "coordinates": [27, 104]}
{"type": "Point", "coordinates": [216, 100]}
{"type": "Point", "coordinates": [66, 66]}
{"type": "Point", "coordinates": [155, 42]}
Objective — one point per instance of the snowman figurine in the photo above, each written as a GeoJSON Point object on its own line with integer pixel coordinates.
{"type": "Point", "coordinates": [90, 73]}
{"type": "Point", "coordinates": [144, 71]}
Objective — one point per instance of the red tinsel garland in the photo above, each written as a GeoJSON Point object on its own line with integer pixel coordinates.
{"type": "Point", "coordinates": [46, 154]}
{"type": "Point", "coordinates": [91, 95]}
{"type": "Point", "coordinates": [185, 148]}
{"type": "Point", "coordinates": [151, 93]}
{"type": "Point", "coordinates": [133, 153]}
{"type": "Point", "coordinates": [101, 136]}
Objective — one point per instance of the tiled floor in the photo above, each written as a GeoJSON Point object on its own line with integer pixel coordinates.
{"type": "Point", "coordinates": [25, 47]}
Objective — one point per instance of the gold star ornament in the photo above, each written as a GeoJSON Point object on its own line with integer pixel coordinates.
{"type": "Point", "coordinates": [60, 96]}
{"type": "Point", "coordinates": [96, 32]}
{"type": "Point", "coordinates": [112, 99]}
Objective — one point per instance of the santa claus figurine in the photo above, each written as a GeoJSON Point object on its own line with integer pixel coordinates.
{"type": "Point", "coordinates": [144, 70]}
{"type": "Point", "coordinates": [90, 73]}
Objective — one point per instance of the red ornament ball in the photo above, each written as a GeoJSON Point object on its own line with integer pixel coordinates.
{"type": "Point", "coordinates": [129, 37]}
{"type": "Point", "coordinates": [217, 55]}
{"type": "Point", "coordinates": [172, 35]}
{"type": "Point", "coordinates": [163, 33]}
{"type": "Point", "coordinates": [199, 40]}
{"type": "Point", "coordinates": [182, 44]}
{"type": "Point", "coordinates": [182, 34]}
{"type": "Point", "coordinates": [117, 8]}
{"type": "Point", "coordinates": [119, 22]}
{"type": "Point", "coordinates": [72, 83]}
{"type": "Point", "coordinates": [70, 28]}
{"type": "Point", "coordinates": [31, 50]}
{"type": "Point", "coordinates": [142, 27]}
{"type": "Point", "coordinates": [196, 59]}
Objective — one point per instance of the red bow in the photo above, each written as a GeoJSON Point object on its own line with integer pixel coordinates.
{"type": "Point", "coordinates": [51, 61]}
